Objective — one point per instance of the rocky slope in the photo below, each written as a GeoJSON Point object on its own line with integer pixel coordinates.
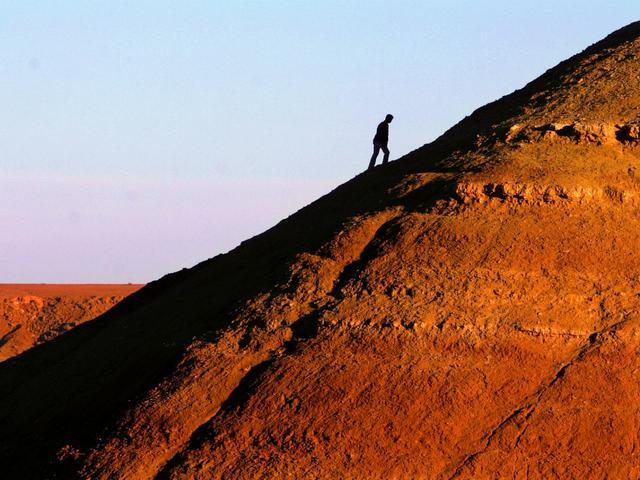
{"type": "Point", "coordinates": [468, 311]}
{"type": "Point", "coordinates": [35, 313]}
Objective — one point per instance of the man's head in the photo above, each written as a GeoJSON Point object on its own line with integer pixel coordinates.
{"type": "Point", "coordinates": [388, 118]}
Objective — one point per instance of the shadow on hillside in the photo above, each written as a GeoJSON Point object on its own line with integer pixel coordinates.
{"type": "Point", "coordinates": [67, 389]}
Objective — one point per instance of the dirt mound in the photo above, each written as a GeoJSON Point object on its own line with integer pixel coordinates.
{"type": "Point", "coordinates": [468, 311]}
{"type": "Point", "coordinates": [33, 314]}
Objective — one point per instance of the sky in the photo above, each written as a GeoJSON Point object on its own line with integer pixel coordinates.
{"type": "Point", "coordinates": [138, 138]}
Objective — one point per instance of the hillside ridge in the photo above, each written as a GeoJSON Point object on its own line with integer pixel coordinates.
{"type": "Point", "coordinates": [464, 310]}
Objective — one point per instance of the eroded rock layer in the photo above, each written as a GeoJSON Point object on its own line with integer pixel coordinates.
{"type": "Point", "coordinates": [468, 311]}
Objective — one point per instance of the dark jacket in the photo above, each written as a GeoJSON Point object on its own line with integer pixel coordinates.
{"type": "Point", "coordinates": [382, 134]}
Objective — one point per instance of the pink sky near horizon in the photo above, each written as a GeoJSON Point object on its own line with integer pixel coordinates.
{"type": "Point", "coordinates": [65, 229]}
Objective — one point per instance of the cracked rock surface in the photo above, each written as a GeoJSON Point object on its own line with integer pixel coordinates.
{"type": "Point", "coordinates": [471, 310]}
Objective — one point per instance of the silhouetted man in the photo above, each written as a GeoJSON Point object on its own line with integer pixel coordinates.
{"type": "Point", "coordinates": [380, 141]}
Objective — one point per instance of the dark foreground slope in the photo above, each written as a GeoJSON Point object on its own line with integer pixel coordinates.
{"type": "Point", "coordinates": [469, 311]}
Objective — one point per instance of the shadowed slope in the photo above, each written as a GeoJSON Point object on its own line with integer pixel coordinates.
{"type": "Point", "coordinates": [425, 320]}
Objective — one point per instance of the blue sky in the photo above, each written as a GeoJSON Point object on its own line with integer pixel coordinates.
{"type": "Point", "coordinates": [141, 137]}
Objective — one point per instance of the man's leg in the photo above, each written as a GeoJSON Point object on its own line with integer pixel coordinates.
{"type": "Point", "coordinates": [386, 154]}
{"type": "Point", "coordinates": [376, 150]}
